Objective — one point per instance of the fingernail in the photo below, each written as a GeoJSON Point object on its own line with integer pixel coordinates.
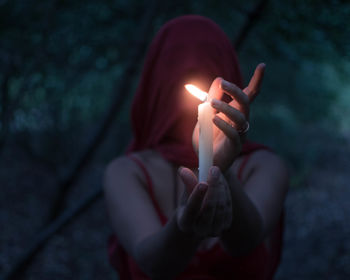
{"type": "Point", "coordinates": [215, 103]}
{"type": "Point", "coordinates": [180, 169]}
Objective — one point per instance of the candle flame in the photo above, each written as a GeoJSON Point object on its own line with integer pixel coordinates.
{"type": "Point", "coordinates": [200, 94]}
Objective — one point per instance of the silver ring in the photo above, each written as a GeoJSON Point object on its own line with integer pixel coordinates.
{"type": "Point", "coordinates": [245, 130]}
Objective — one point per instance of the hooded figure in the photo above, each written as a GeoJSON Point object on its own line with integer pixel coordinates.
{"type": "Point", "coordinates": [187, 49]}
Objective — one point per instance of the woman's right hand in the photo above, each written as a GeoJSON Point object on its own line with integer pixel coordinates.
{"type": "Point", "coordinates": [206, 208]}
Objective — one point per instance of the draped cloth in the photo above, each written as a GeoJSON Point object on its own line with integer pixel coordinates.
{"type": "Point", "coordinates": [188, 49]}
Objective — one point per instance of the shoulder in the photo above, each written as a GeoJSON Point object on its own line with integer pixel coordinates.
{"type": "Point", "coordinates": [266, 163]}
{"type": "Point", "coordinates": [266, 166]}
{"type": "Point", "coordinates": [267, 158]}
{"type": "Point", "coordinates": [120, 173]}
{"type": "Point", "coordinates": [115, 166]}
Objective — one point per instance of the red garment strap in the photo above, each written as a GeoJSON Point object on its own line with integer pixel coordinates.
{"type": "Point", "coordinates": [149, 185]}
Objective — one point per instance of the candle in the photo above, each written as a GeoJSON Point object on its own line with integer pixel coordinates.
{"type": "Point", "coordinates": [205, 117]}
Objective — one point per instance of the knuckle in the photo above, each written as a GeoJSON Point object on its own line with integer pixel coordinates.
{"type": "Point", "coordinates": [237, 89]}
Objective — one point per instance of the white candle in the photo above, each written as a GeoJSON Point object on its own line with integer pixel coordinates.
{"type": "Point", "coordinates": [205, 117]}
{"type": "Point", "coordinates": [205, 151]}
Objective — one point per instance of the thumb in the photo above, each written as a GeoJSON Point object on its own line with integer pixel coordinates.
{"type": "Point", "coordinates": [190, 180]}
{"type": "Point", "coordinates": [215, 90]}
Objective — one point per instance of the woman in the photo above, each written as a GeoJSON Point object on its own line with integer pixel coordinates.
{"type": "Point", "coordinates": [167, 224]}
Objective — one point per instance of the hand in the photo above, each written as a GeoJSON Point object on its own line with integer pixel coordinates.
{"type": "Point", "coordinates": [206, 208]}
{"type": "Point", "coordinates": [231, 118]}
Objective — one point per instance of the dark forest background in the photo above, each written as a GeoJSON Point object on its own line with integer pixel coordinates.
{"type": "Point", "coordinates": [68, 70]}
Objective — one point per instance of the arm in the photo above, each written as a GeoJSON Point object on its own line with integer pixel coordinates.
{"type": "Point", "coordinates": [166, 253]}
{"type": "Point", "coordinates": [257, 202]}
{"type": "Point", "coordinates": [161, 252]}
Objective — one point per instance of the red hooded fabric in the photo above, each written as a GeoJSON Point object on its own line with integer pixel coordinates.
{"type": "Point", "coordinates": [188, 49]}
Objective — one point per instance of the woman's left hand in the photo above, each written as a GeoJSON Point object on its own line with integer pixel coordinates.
{"type": "Point", "coordinates": [231, 119]}
{"type": "Point", "coordinates": [205, 213]}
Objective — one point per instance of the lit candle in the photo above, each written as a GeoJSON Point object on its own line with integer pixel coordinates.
{"type": "Point", "coordinates": [205, 117]}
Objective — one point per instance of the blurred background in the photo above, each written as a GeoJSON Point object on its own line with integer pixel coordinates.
{"type": "Point", "coordinates": [68, 70]}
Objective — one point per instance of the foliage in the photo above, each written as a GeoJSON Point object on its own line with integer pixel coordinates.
{"type": "Point", "coordinates": [60, 61]}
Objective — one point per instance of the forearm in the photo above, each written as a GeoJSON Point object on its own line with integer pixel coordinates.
{"type": "Point", "coordinates": [166, 253]}
{"type": "Point", "coordinates": [247, 228]}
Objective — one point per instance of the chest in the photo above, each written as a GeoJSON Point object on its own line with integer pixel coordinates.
{"type": "Point", "coordinates": [168, 188]}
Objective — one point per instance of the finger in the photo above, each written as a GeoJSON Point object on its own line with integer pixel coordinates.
{"type": "Point", "coordinates": [194, 204]}
{"type": "Point", "coordinates": [216, 182]}
{"type": "Point", "coordinates": [189, 179]}
{"type": "Point", "coordinates": [233, 114]}
{"type": "Point", "coordinates": [254, 85]}
{"type": "Point", "coordinates": [227, 129]}
{"type": "Point", "coordinates": [204, 221]}
{"type": "Point", "coordinates": [235, 92]}
{"type": "Point", "coordinates": [215, 90]}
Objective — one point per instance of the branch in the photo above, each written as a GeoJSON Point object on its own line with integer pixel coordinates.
{"type": "Point", "coordinates": [252, 19]}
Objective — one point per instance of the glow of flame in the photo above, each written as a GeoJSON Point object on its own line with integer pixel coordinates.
{"type": "Point", "coordinates": [200, 94]}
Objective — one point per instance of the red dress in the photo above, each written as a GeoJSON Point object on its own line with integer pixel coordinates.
{"type": "Point", "coordinates": [214, 263]}
{"type": "Point", "coordinates": [188, 49]}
